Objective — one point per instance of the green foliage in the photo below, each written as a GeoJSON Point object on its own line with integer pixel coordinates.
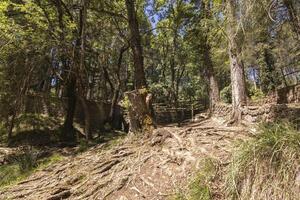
{"type": "Point", "coordinates": [32, 121]}
{"type": "Point", "coordinates": [226, 94]}
{"type": "Point", "coordinates": [160, 92]}
{"type": "Point", "coordinates": [268, 75]}
{"type": "Point", "coordinates": [125, 103]}
{"type": "Point", "coordinates": [23, 167]}
{"type": "Point", "coordinates": [200, 187]}
{"type": "Point", "coordinates": [266, 165]}
{"type": "Point", "coordinates": [83, 145]}
{"type": "Point", "coordinates": [256, 93]}
{"type": "Point", "coordinates": [10, 174]}
{"type": "Point", "coordinates": [27, 161]}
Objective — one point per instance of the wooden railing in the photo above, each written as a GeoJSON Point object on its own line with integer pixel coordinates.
{"type": "Point", "coordinates": [169, 113]}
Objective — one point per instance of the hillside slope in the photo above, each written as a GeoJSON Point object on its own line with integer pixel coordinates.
{"type": "Point", "coordinates": [138, 168]}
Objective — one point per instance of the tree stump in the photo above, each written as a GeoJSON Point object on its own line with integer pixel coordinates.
{"type": "Point", "coordinates": [139, 112]}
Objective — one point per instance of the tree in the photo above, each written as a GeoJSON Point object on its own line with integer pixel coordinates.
{"type": "Point", "coordinates": [294, 11]}
{"type": "Point", "coordinates": [139, 110]}
{"type": "Point", "coordinates": [236, 64]}
{"type": "Point", "coordinates": [214, 92]}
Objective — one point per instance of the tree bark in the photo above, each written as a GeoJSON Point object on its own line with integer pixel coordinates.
{"type": "Point", "coordinates": [68, 129]}
{"type": "Point", "coordinates": [214, 92]}
{"type": "Point", "coordinates": [83, 80]}
{"type": "Point", "coordinates": [140, 119]}
{"type": "Point", "coordinates": [87, 118]}
{"type": "Point", "coordinates": [236, 64]}
{"type": "Point", "coordinates": [213, 89]}
{"type": "Point", "coordinates": [136, 46]}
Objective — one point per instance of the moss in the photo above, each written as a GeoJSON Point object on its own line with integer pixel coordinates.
{"type": "Point", "coordinates": [125, 103]}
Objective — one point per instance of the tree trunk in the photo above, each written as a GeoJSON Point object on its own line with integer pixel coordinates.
{"type": "Point", "coordinates": [83, 80]}
{"type": "Point", "coordinates": [238, 86]}
{"type": "Point", "coordinates": [136, 46]}
{"type": "Point", "coordinates": [112, 112]}
{"type": "Point", "coordinates": [139, 114]}
{"type": "Point", "coordinates": [11, 127]}
{"type": "Point", "coordinates": [236, 65]}
{"type": "Point", "coordinates": [294, 16]}
{"type": "Point", "coordinates": [140, 119]}
{"type": "Point", "coordinates": [87, 118]}
{"type": "Point", "coordinates": [68, 129]}
{"type": "Point", "coordinates": [214, 93]}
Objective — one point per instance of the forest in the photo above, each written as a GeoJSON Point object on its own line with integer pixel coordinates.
{"type": "Point", "coordinates": [150, 99]}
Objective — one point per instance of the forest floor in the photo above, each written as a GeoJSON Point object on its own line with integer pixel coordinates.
{"type": "Point", "coordinates": [154, 167]}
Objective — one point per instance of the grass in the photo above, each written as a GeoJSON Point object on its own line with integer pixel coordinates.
{"type": "Point", "coordinates": [23, 167]}
{"type": "Point", "coordinates": [200, 186]}
{"type": "Point", "coordinates": [265, 167]}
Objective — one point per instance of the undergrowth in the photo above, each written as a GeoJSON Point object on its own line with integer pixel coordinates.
{"type": "Point", "coordinates": [267, 166]}
{"type": "Point", "coordinates": [24, 166]}
{"type": "Point", "coordinates": [200, 188]}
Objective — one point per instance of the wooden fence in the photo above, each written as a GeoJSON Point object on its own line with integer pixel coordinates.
{"type": "Point", "coordinates": [168, 113]}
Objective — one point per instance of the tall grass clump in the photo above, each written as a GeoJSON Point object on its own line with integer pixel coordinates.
{"type": "Point", "coordinates": [266, 166]}
{"type": "Point", "coordinates": [201, 186]}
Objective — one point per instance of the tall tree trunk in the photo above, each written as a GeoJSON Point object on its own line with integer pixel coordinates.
{"type": "Point", "coordinates": [136, 46]}
{"type": "Point", "coordinates": [293, 15]}
{"type": "Point", "coordinates": [214, 93]}
{"type": "Point", "coordinates": [213, 89]}
{"type": "Point", "coordinates": [87, 117]}
{"type": "Point", "coordinates": [174, 93]}
{"type": "Point", "coordinates": [83, 80]}
{"type": "Point", "coordinates": [236, 64]}
{"type": "Point", "coordinates": [68, 129]}
{"type": "Point", "coordinates": [11, 126]}
{"type": "Point", "coordinates": [139, 113]}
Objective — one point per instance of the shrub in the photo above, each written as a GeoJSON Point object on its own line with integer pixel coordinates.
{"type": "Point", "coordinates": [266, 166]}
{"type": "Point", "coordinates": [226, 94]}
{"type": "Point", "coordinates": [27, 161]}
{"type": "Point", "coordinates": [256, 94]}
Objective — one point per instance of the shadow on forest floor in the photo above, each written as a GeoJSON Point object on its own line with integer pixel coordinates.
{"type": "Point", "coordinates": [37, 149]}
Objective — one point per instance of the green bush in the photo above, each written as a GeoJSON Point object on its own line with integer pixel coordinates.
{"type": "Point", "coordinates": [256, 93]}
{"type": "Point", "coordinates": [226, 94]}
{"type": "Point", "coordinates": [27, 161]}
{"type": "Point", "coordinates": [265, 166]}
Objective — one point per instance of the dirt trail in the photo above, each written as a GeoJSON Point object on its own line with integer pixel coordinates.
{"type": "Point", "coordinates": [149, 168]}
